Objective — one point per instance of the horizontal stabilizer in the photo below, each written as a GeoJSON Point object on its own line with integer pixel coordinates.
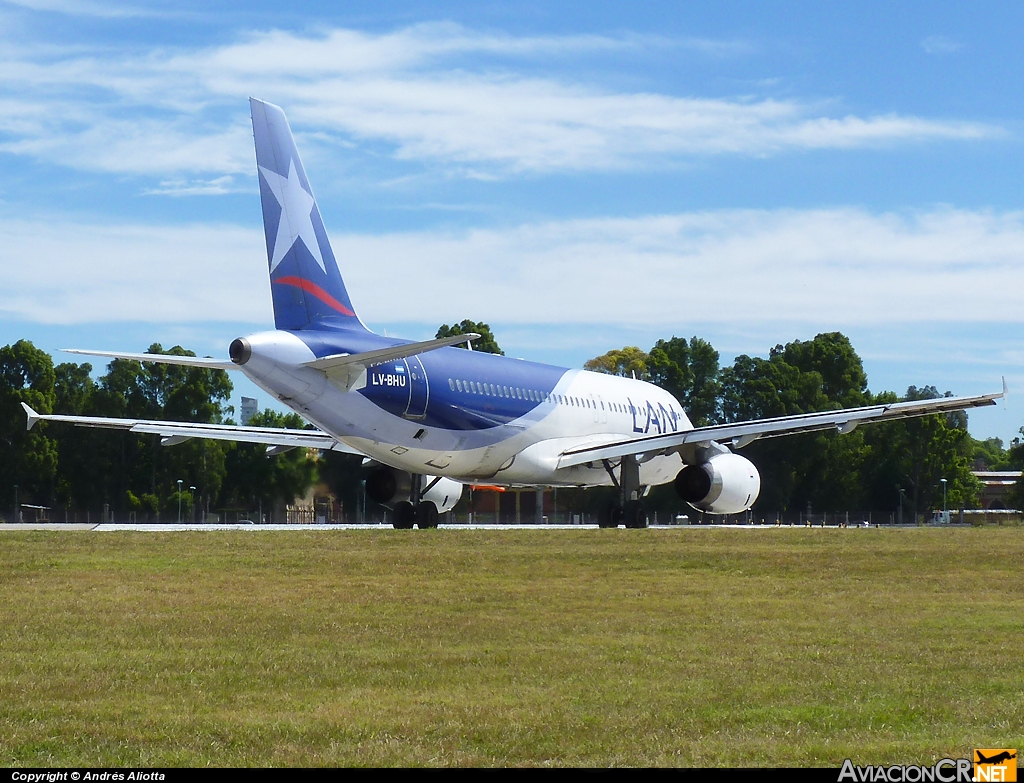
{"type": "Point", "coordinates": [160, 358]}
{"type": "Point", "coordinates": [173, 432]}
{"type": "Point", "coordinates": [368, 358]}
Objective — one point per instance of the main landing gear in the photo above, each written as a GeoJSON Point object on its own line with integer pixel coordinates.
{"type": "Point", "coordinates": [422, 513]}
{"type": "Point", "coordinates": [628, 509]}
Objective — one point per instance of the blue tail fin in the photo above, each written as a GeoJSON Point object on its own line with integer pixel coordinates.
{"type": "Point", "coordinates": [305, 282]}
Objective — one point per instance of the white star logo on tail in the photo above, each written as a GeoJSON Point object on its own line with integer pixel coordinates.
{"type": "Point", "coordinates": [296, 215]}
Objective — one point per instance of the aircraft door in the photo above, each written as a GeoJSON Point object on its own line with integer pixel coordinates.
{"type": "Point", "coordinates": [419, 391]}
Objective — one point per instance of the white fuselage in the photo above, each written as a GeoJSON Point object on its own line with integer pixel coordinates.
{"type": "Point", "coordinates": [583, 409]}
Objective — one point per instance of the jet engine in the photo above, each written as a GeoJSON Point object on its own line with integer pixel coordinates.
{"type": "Point", "coordinates": [725, 484]}
{"type": "Point", "coordinates": [388, 486]}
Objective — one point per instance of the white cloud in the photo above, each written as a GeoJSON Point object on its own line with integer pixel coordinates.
{"type": "Point", "coordinates": [442, 93]}
{"type": "Point", "coordinates": [940, 44]}
{"type": "Point", "coordinates": [832, 266]}
{"type": "Point", "coordinates": [196, 187]}
{"type": "Point", "coordinates": [841, 267]}
{"type": "Point", "coordinates": [142, 146]}
{"type": "Point", "coordinates": [82, 8]}
{"type": "Point", "coordinates": [70, 273]}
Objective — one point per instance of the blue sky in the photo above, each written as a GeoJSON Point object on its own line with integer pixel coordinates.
{"type": "Point", "coordinates": [581, 176]}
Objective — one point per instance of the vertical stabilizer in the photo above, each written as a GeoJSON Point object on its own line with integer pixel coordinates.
{"type": "Point", "coordinates": [305, 282]}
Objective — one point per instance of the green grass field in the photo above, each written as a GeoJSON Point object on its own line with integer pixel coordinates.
{"type": "Point", "coordinates": [650, 647]}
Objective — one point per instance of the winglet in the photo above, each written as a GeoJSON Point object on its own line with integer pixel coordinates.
{"type": "Point", "coordinates": [1006, 393]}
{"type": "Point", "coordinates": [33, 417]}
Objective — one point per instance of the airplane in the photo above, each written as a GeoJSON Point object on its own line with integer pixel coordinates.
{"type": "Point", "coordinates": [996, 759]}
{"type": "Point", "coordinates": [429, 418]}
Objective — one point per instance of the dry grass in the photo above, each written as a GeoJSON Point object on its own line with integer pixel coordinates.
{"type": "Point", "coordinates": [689, 647]}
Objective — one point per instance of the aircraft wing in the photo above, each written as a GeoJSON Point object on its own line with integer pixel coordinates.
{"type": "Point", "coordinates": [743, 433]}
{"type": "Point", "coordinates": [173, 432]}
{"type": "Point", "coordinates": [160, 358]}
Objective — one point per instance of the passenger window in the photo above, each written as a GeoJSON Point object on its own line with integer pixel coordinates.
{"type": "Point", "coordinates": [459, 384]}
{"type": "Point", "coordinates": [451, 384]}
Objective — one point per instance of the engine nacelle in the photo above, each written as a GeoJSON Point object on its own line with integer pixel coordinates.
{"type": "Point", "coordinates": [389, 486]}
{"type": "Point", "coordinates": [725, 484]}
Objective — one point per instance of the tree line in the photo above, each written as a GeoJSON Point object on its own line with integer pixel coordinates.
{"type": "Point", "coordinates": [875, 467]}
{"type": "Point", "coordinates": [76, 468]}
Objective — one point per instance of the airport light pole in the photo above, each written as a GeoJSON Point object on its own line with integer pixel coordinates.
{"type": "Point", "coordinates": [16, 504]}
{"type": "Point", "coordinates": [901, 503]}
{"type": "Point", "coordinates": [192, 499]}
{"type": "Point", "coordinates": [179, 501]}
{"type": "Point", "coordinates": [944, 517]}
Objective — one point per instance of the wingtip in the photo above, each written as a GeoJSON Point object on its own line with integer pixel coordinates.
{"type": "Point", "coordinates": [32, 416]}
{"type": "Point", "coordinates": [1006, 392]}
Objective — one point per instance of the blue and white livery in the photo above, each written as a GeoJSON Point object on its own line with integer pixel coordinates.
{"type": "Point", "coordinates": [431, 417]}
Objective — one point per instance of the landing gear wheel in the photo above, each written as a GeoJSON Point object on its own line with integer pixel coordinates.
{"type": "Point", "coordinates": [635, 514]}
{"type": "Point", "coordinates": [405, 515]}
{"type": "Point", "coordinates": [426, 515]}
{"type": "Point", "coordinates": [610, 516]}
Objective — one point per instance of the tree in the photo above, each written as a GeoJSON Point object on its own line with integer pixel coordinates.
{"type": "Point", "coordinates": [28, 459]}
{"type": "Point", "coordinates": [689, 371]}
{"type": "Point", "coordinates": [1015, 459]}
{"type": "Point", "coordinates": [80, 468]}
{"type": "Point", "coordinates": [915, 454]}
{"type": "Point", "coordinates": [817, 469]}
{"type": "Point", "coordinates": [486, 343]}
{"type": "Point", "coordinates": [627, 362]}
{"type": "Point", "coordinates": [108, 467]}
{"type": "Point", "coordinates": [254, 477]}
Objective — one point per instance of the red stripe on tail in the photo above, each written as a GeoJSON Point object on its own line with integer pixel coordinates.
{"type": "Point", "coordinates": [317, 291]}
